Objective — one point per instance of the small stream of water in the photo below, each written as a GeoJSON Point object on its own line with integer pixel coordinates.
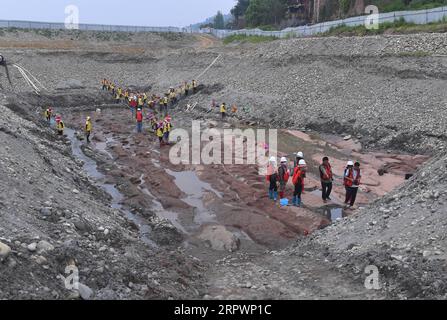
{"type": "Point", "coordinates": [192, 186]}
{"type": "Point", "coordinates": [90, 167]}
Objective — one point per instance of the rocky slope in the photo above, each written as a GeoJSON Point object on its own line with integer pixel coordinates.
{"type": "Point", "coordinates": [53, 217]}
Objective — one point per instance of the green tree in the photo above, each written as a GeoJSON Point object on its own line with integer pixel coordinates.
{"type": "Point", "coordinates": [238, 11]}
{"type": "Point", "coordinates": [344, 6]}
{"type": "Point", "coordinates": [240, 8]}
{"type": "Point", "coordinates": [219, 22]}
{"type": "Point", "coordinates": [265, 12]}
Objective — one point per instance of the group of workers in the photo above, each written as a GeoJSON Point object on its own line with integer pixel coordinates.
{"type": "Point", "coordinates": [278, 177]}
{"type": "Point", "coordinates": [160, 121]}
{"type": "Point", "coordinates": [60, 126]}
{"type": "Point", "coordinates": [140, 100]}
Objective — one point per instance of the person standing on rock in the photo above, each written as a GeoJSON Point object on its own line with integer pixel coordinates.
{"type": "Point", "coordinates": [194, 86]}
{"type": "Point", "coordinates": [186, 88]}
{"type": "Point", "coordinates": [159, 132]}
{"type": "Point", "coordinates": [326, 177]}
{"type": "Point", "coordinates": [88, 129]}
{"type": "Point", "coordinates": [60, 127]}
{"type": "Point", "coordinates": [139, 120]}
{"type": "Point", "coordinates": [140, 102]}
{"type": "Point", "coordinates": [223, 110]}
{"type": "Point", "coordinates": [133, 105]}
{"type": "Point", "coordinates": [352, 176]}
{"type": "Point", "coordinates": [48, 114]}
{"type": "Point", "coordinates": [272, 179]}
{"type": "Point", "coordinates": [298, 156]}
{"type": "Point", "coordinates": [165, 104]}
{"type": "Point", "coordinates": [283, 177]}
{"type": "Point", "coordinates": [167, 129]}
{"type": "Point", "coordinates": [298, 181]}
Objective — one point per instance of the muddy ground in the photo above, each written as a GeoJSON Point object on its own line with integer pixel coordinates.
{"type": "Point", "coordinates": [210, 232]}
{"type": "Point", "coordinates": [219, 209]}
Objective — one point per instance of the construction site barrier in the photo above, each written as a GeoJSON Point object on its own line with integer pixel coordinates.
{"type": "Point", "coordinates": [417, 17]}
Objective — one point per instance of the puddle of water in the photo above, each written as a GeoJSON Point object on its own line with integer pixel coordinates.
{"type": "Point", "coordinates": [90, 168]}
{"type": "Point", "coordinates": [193, 187]}
{"type": "Point", "coordinates": [102, 146]}
{"type": "Point", "coordinates": [160, 211]}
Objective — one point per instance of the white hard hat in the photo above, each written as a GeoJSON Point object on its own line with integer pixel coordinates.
{"type": "Point", "coordinates": [283, 159]}
{"type": "Point", "coordinates": [272, 159]}
{"type": "Point", "coordinates": [300, 154]}
{"type": "Point", "coordinates": [302, 163]}
{"type": "Point", "coordinates": [350, 163]}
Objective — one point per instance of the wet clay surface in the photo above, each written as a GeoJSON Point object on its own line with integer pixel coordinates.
{"type": "Point", "coordinates": [215, 210]}
{"type": "Point", "coordinates": [232, 197]}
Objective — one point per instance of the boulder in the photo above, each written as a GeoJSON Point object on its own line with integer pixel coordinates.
{"type": "Point", "coordinates": [44, 246]}
{"type": "Point", "coordinates": [5, 250]}
{"type": "Point", "coordinates": [220, 238]}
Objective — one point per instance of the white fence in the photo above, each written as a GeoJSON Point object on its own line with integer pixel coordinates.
{"type": "Point", "coordinates": [83, 26]}
{"type": "Point", "coordinates": [418, 17]}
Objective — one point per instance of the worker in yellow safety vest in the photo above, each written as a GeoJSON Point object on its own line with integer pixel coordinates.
{"type": "Point", "coordinates": [194, 86]}
{"type": "Point", "coordinates": [88, 129]}
{"type": "Point", "coordinates": [60, 128]}
{"type": "Point", "coordinates": [159, 132]}
{"type": "Point", "coordinates": [223, 110]}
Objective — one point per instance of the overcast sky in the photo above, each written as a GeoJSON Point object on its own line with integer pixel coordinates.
{"type": "Point", "coordinates": [178, 13]}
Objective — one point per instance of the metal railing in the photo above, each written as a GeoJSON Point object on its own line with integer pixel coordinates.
{"type": "Point", "coordinates": [84, 26]}
{"type": "Point", "coordinates": [417, 17]}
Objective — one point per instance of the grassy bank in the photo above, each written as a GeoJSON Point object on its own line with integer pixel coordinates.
{"type": "Point", "coordinates": [248, 39]}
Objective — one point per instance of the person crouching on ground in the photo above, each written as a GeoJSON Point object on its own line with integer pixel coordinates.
{"type": "Point", "coordinates": [352, 178]}
{"type": "Point", "coordinates": [283, 177]}
{"type": "Point", "coordinates": [272, 179]}
{"type": "Point", "coordinates": [298, 181]}
{"type": "Point", "coordinates": [326, 177]}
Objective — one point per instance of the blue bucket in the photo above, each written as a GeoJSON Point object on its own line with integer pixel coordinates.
{"type": "Point", "coordinates": [284, 202]}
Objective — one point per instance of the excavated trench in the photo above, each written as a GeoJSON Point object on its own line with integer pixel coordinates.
{"type": "Point", "coordinates": [219, 209]}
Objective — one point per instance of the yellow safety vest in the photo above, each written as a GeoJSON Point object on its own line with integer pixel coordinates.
{"type": "Point", "coordinates": [88, 126]}
{"type": "Point", "coordinates": [160, 132]}
{"type": "Point", "coordinates": [60, 126]}
{"type": "Point", "coordinates": [223, 109]}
